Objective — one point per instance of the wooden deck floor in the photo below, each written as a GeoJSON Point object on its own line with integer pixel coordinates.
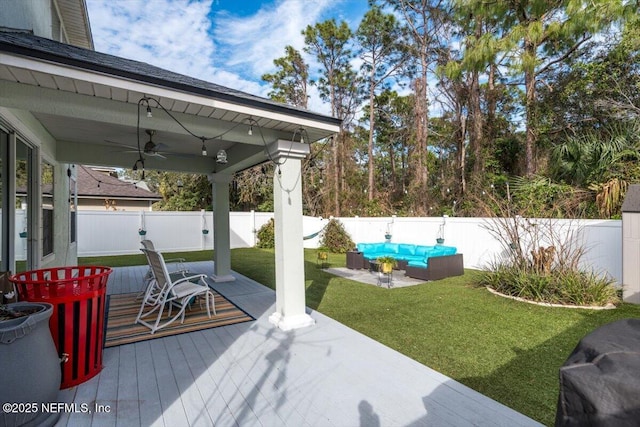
{"type": "Point", "coordinates": [252, 374]}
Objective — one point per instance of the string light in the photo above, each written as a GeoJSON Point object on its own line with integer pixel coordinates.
{"type": "Point", "coordinates": [301, 132]}
{"type": "Point", "coordinates": [204, 148]}
{"type": "Point", "coordinates": [89, 173]}
{"type": "Point", "coordinates": [221, 155]}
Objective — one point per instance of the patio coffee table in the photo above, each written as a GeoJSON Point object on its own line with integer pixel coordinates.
{"type": "Point", "coordinates": [383, 278]}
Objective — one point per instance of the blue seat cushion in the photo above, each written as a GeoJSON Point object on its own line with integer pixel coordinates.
{"type": "Point", "coordinates": [420, 264]}
{"type": "Point", "coordinates": [415, 255]}
{"type": "Point", "coordinates": [410, 258]}
{"type": "Point", "coordinates": [422, 250]}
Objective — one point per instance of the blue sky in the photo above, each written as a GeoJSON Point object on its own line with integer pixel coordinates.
{"type": "Point", "coordinates": [228, 42]}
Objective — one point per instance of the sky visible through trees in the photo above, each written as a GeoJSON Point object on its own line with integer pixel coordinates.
{"type": "Point", "coordinates": [462, 107]}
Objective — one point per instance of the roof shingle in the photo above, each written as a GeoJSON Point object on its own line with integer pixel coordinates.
{"type": "Point", "coordinates": [42, 48]}
{"type": "Point", "coordinates": [91, 183]}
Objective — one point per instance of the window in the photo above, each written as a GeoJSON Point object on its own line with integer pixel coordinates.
{"type": "Point", "coordinates": [72, 206]}
{"type": "Point", "coordinates": [56, 26]}
{"type": "Point", "coordinates": [46, 189]}
{"type": "Point", "coordinates": [24, 191]}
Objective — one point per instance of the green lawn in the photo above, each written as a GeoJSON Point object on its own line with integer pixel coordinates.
{"type": "Point", "coordinates": [507, 350]}
{"type": "Point", "coordinates": [140, 259]}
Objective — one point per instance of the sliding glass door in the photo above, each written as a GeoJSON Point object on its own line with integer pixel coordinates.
{"type": "Point", "coordinates": [17, 227]}
{"type": "Point", "coordinates": [24, 244]}
{"type": "Point", "coordinates": [4, 223]}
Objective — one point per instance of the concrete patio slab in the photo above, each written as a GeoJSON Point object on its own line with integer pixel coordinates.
{"type": "Point", "coordinates": [399, 280]}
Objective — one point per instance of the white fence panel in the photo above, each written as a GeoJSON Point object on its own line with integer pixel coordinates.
{"type": "Point", "coordinates": [20, 246]}
{"type": "Point", "coordinates": [244, 227]}
{"type": "Point", "coordinates": [107, 233]}
{"type": "Point", "coordinates": [601, 238]}
{"type": "Point", "coordinates": [115, 233]}
{"type": "Point", "coordinates": [312, 228]}
{"type": "Point", "coordinates": [179, 231]}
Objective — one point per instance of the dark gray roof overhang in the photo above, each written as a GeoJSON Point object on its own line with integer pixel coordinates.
{"type": "Point", "coordinates": [49, 50]}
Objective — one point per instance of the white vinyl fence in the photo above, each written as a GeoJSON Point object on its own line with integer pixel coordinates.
{"type": "Point", "coordinates": [118, 233]}
{"type": "Point", "coordinates": [115, 233]}
{"type": "Point", "coordinates": [601, 238]}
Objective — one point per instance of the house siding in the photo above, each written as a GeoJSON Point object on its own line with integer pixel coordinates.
{"type": "Point", "coordinates": [120, 205]}
{"type": "Point", "coordinates": [31, 131]}
{"type": "Point", "coordinates": [30, 15]}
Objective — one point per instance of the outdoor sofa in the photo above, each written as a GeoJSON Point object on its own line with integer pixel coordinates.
{"type": "Point", "coordinates": [418, 261]}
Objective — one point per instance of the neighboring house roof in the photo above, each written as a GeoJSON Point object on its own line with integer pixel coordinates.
{"type": "Point", "coordinates": [95, 184]}
{"type": "Point", "coordinates": [50, 50]}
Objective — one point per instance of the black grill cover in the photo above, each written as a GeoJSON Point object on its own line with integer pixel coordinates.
{"type": "Point", "coordinates": [600, 381]}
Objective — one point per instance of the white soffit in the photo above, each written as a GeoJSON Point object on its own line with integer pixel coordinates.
{"type": "Point", "coordinates": [65, 78]}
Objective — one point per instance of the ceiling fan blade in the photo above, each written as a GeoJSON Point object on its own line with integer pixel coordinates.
{"type": "Point", "coordinates": [120, 144]}
{"type": "Point", "coordinates": [132, 149]}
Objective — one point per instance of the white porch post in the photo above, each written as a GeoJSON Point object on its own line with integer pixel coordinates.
{"type": "Point", "coordinates": [221, 240]}
{"type": "Point", "coordinates": [287, 199]}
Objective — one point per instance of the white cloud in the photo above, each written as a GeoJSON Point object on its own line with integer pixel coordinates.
{"type": "Point", "coordinates": [171, 34]}
{"type": "Point", "coordinates": [185, 36]}
{"type": "Point", "coordinates": [254, 42]}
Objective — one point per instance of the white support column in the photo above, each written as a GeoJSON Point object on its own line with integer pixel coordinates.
{"type": "Point", "coordinates": [221, 239]}
{"type": "Point", "coordinates": [287, 199]}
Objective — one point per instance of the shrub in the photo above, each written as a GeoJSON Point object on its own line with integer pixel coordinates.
{"type": "Point", "coordinates": [336, 238]}
{"type": "Point", "coordinates": [541, 261]}
{"type": "Point", "coordinates": [560, 287]}
{"type": "Point", "coordinates": [266, 235]}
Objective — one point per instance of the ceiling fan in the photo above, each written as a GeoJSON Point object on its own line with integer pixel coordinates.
{"type": "Point", "coordinates": [150, 148]}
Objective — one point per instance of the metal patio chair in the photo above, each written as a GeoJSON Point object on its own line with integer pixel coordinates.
{"type": "Point", "coordinates": [164, 293]}
{"type": "Point", "coordinates": [177, 269]}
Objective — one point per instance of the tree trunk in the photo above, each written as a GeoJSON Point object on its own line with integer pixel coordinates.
{"type": "Point", "coordinates": [530, 91]}
{"type": "Point", "coordinates": [462, 152]}
{"type": "Point", "coordinates": [336, 173]}
{"type": "Point", "coordinates": [334, 152]}
{"type": "Point", "coordinates": [342, 173]}
{"type": "Point", "coordinates": [421, 174]}
{"type": "Point", "coordinates": [476, 136]}
{"type": "Point", "coordinates": [491, 106]}
{"type": "Point", "coordinates": [392, 163]}
{"type": "Point", "coordinates": [371, 128]}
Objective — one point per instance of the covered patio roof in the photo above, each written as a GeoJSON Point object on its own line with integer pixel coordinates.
{"type": "Point", "coordinates": [85, 107]}
{"type": "Point", "coordinates": [89, 103]}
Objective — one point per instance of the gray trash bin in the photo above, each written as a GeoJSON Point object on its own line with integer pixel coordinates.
{"type": "Point", "coordinates": [30, 374]}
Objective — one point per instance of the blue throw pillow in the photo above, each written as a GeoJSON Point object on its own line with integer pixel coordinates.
{"type": "Point", "coordinates": [406, 249]}
{"type": "Point", "coordinates": [377, 247]}
{"type": "Point", "coordinates": [422, 250]}
{"type": "Point", "coordinates": [364, 247]}
{"type": "Point", "coordinates": [391, 248]}
{"type": "Point", "coordinates": [448, 250]}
